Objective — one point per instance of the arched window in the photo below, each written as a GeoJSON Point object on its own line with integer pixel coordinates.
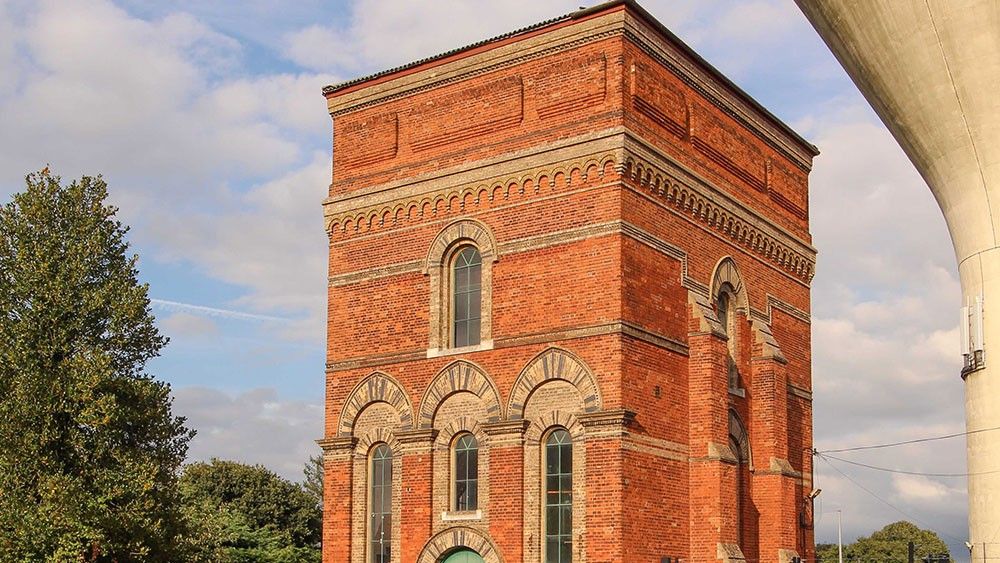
{"type": "Point", "coordinates": [726, 314]}
{"type": "Point", "coordinates": [467, 271]}
{"type": "Point", "coordinates": [380, 523]}
{"type": "Point", "coordinates": [558, 497]}
{"type": "Point", "coordinates": [466, 474]}
{"type": "Point", "coordinates": [739, 443]}
{"type": "Point", "coordinates": [737, 449]}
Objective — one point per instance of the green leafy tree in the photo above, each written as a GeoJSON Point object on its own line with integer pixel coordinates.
{"type": "Point", "coordinates": [826, 552]}
{"type": "Point", "coordinates": [89, 448]}
{"type": "Point", "coordinates": [246, 513]}
{"type": "Point", "coordinates": [313, 483]}
{"type": "Point", "coordinates": [891, 545]}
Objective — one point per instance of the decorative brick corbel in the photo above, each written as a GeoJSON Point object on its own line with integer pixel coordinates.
{"type": "Point", "coordinates": [416, 441]}
{"type": "Point", "coordinates": [730, 553]}
{"type": "Point", "coordinates": [703, 314]}
{"type": "Point", "coordinates": [337, 448]}
{"type": "Point", "coordinates": [769, 348]}
{"type": "Point", "coordinates": [506, 432]}
{"type": "Point", "coordinates": [612, 423]}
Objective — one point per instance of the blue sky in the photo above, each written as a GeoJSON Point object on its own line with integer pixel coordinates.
{"type": "Point", "coordinates": [206, 118]}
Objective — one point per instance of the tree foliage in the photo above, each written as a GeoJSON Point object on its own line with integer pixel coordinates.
{"type": "Point", "coordinates": [888, 545]}
{"type": "Point", "coordinates": [89, 448]}
{"type": "Point", "coordinates": [247, 513]}
{"type": "Point", "coordinates": [313, 483]}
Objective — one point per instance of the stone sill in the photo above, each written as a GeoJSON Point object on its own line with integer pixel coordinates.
{"type": "Point", "coordinates": [439, 352]}
{"type": "Point", "coordinates": [462, 516]}
{"type": "Point", "coordinates": [738, 392]}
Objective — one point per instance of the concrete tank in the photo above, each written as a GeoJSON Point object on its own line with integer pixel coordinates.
{"type": "Point", "coordinates": [931, 69]}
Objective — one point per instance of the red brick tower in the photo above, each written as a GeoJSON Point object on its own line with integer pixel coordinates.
{"type": "Point", "coordinates": [568, 307]}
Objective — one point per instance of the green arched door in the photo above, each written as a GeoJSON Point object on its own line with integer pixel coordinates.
{"type": "Point", "coordinates": [463, 556]}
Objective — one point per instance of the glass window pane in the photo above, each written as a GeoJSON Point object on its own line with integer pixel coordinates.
{"type": "Point", "coordinates": [566, 551]}
{"type": "Point", "coordinates": [475, 305]}
{"type": "Point", "coordinates": [473, 332]}
{"type": "Point", "coordinates": [461, 333]}
{"type": "Point", "coordinates": [461, 308]}
{"type": "Point", "coordinates": [475, 276]}
{"type": "Point", "coordinates": [473, 495]}
{"type": "Point", "coordinates": [566, 458]}
{"type": "Point", "coordinates": [461, 464]}
{"type": "Point", "coordinates": [473, 464]}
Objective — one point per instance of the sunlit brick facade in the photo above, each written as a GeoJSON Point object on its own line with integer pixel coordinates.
{"type": "Point", "coordinates": [568, 307]}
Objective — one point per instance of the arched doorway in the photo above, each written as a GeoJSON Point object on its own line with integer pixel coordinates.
{"type": "Point", "coordinates": [463, 556]}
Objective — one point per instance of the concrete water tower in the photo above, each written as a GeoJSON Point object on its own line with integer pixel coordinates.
{"type": "Point", "coordinates": [931, 70]}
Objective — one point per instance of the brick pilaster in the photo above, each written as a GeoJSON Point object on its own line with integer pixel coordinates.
{"type": "Point", "coordinates": [417, 480]}
{"type": "Point", "coordinates": [506, 508]}
{"type": "Point", "coordinates": [337, 475]}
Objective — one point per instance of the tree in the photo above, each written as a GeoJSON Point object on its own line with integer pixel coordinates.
{"type": "Point", "coordinates": [891, 544]}
{"type": "Point", "coordinates": [248, 513]}
{"type": "Point", "coordinates": [89, 448]}
{"type": "Point", "coordinates": [313, 483]}
{"type": "Point", "coordinates": [826, 552]}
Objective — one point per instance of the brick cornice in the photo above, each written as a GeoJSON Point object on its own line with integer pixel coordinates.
{"type": "Point", "coordinates": [611, 423]}
{"type": "Point", "coordinates": [416, 441]}
{"type": "Point", "coordinates": [506, 432]}
{"type": "Point", "coordinates": [337, 445]}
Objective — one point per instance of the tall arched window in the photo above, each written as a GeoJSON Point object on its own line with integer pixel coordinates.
{"type": "Point", "coordinates": [738, 450]}
{"type": "Point", "coordinates": [558, 497]}
{"type": "Point", "coordinates": [739, 443]}
{"type": "Point", "coordinates": [466, 286]}
{"type": "Point", "coordinates": [466, 473]}
{"type": "Point", "coordinates": [380, 522]}
{"type": "Point", "coordinates": [726, 314]}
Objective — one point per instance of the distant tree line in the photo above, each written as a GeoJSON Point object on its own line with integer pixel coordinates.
{"type": "Point", "coordinates": [888, 545]}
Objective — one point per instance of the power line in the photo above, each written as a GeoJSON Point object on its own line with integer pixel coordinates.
{"type": "Point", "coordinates": [904, 472]}
{"type": "Point", "coordinates": [903, 443]}
{"type": "Point", "coordinates": [880, 499]}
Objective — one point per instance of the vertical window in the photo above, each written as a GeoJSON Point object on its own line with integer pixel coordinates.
{"type": "Point", "coordinates": [726, 318]}
{"type": "Point", "coordinates": [380, 525]}
{"type": "Point", "coordinates": [467, 272]}
{"type": "Point", "coordinates": [558, 498]}
{"type": "Point", "coordinates": [466, 473]}
{"type": "Point", "coordinates": [738, 451]}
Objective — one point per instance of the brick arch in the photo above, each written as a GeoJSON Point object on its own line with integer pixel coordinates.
{"type": "Point", "coordinates": [447, 541]}
{"type": "Point", "coordinates": [738, 431]}
{"type": "Point", "coordinates": [555, 419]}
{"type": "Point", "coordinates": [377, 436]}
{"type": "Point", "coordinates": [726, 272]}
{"type": "Point", "coordinates": [459, 376]}
{"type": "Point", "coordinates": [377, 387]}
{"type": "Point", "coordinates": [462, 425]}
{"type": "Point", "coordinates": [554, 363]}
{"type": "Point", "coordinates": [461, 229]}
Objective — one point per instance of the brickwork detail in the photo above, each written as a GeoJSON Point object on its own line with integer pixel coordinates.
{"type": "Point", "coordinates": [460, 376]}
{"type": "Point", "coordinates": [554, 364]}
{"type": "Point", "coordinates": [377, 387]}
{"type": "Point", "coordinates": [456, 538]}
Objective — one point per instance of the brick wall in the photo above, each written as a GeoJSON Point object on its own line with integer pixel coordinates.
{"type": "Point", "coordinates": [618, 183]}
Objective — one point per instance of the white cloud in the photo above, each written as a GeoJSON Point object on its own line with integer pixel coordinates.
{"type": "Point", "coordinates": [185, 325]}
{"type": "Point", "coordinates": [257, 426]}
{"type": "Point", "coordinates": [919, 489]}
{"type": "Point", "coordinates": [395, 32]}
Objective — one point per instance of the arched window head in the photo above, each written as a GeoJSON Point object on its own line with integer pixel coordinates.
{"type": "Point", "coordinates": [558, 497]}
{"type": "Point", "coordinates": [380, 504]}
{"type": "Point", "coordinates": [466, 292]}
{"type": "Point", "coordinates": [466, 472]}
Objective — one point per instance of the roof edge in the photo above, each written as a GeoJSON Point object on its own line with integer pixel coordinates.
{"type": "Point", "coordinates": [632, 5]}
